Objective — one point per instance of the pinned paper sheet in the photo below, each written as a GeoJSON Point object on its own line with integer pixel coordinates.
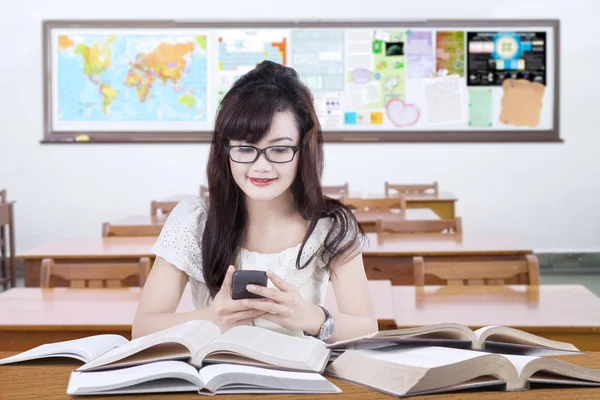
{"type": "Point", "coordinates": [480, 108]}
{"type": "Point", "coordinates": [444, 104]}
{"type": "Point", "coordinates": [521, 102]}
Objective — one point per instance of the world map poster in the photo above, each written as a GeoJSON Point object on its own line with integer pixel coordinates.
{"type": "Point", "coordinates": [130, 78]}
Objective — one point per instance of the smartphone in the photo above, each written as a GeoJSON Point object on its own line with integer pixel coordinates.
{"type": "Point", "coordinates": [243, 278]}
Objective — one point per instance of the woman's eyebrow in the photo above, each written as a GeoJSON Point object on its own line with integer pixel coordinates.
{"type": "Point", "coordinates": [281, 139]}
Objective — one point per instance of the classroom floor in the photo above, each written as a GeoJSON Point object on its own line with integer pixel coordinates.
{"type": "Point", "coordinates": [592, 282]}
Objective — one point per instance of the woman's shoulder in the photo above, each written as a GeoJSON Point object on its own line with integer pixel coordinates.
{"type": "Point", "coordinates": [189, 211]}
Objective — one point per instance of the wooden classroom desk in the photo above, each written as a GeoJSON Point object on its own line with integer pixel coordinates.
{"type": "Point", "coordinates": [147, 225]}
{"type": "Point", "coordinates": [443, 204]}
{"type": "Point", "coordinates": [33, 316]}
{"type": "Point", "coordinates": [98, 249]}
{"type": "Point", "coordinates": [48, 379]}
{"type": "Point", "coordinates": [568, 313]}
{"type": "Point", "coordinates": [390, 256]}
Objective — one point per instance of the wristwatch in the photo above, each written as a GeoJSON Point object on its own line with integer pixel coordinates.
{"type": "Point", "coordinates": [327, 327]}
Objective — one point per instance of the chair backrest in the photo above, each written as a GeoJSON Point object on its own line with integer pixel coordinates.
{"type": "Point", "coordinates": [377, 204]}
{"type": "Point", "coordinates": [130, 230]}
{"type": "Point", "coordinates": [410, 189]}
{"type": "Point", "coordinates": [162, 207]}
{"type": "Point", "coordinates": [398, 225]}
{"type": "Point", "coordinates": [484, 272]}
{"type": "Point", "coordinates": [339, 190]}
{"type": "Point", "coordinates": [2, 196]}
{"type": "Point", "coordinates": [93, 275]}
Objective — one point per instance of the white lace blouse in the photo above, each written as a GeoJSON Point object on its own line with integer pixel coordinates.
{"type": "Point", "coordinates": [180, 241]}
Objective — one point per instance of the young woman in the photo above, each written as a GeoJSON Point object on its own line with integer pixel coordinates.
{"type": "Point", "coordinates": [267, 212]}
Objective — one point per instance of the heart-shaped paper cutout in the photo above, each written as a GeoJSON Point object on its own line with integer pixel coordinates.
{"type": "Point", "coordinates": [402, 114]}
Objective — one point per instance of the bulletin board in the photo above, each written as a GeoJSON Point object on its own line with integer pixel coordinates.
{"type": "Point", "coordinates": [384, 81]}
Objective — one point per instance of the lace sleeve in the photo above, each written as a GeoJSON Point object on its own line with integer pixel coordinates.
{"type": "Point", "coordinates": [180, 239]}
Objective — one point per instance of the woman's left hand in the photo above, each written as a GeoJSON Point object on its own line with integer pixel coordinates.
{"type": "Point", "coordinates": [285, 306]}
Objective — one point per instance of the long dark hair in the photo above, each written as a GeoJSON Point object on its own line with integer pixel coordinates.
{"type": "Point", "coordinates": [246, 113]}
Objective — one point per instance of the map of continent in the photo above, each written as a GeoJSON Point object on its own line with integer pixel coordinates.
{"type": "Point", "coordinates": [132, 78]}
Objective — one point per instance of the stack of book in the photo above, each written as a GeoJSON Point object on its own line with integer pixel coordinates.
{"type": "Point", "coordinates": [196, 356]}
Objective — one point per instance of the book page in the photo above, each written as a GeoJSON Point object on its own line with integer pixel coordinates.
{"type": "Point", "coordinates": [85, 349]}
{"type": "Point", "coordinates": [224, 378]}
{"type": "Point", "coordinates": [270, 347]}
{"type": "Point", "coordinates": [192, 335]}
{"type": "Point", "coordinates": [101, 381]}
{"type": "Point", "coordinates": [422, 357]}
{"type": "Point", "coordinates": [519, 362]}
{"type": "Point", "coordinates": [435, 331]}
{"type": "Point", "coordinates": [504, 334]}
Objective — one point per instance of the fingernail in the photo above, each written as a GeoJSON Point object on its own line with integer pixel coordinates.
{"type": "Point", "coordinates": [269, 273]}
{"type": "Point", "coordinates": [251, 287]}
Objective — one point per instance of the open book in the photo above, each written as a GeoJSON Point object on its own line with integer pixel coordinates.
{"type": "Point", "coordinates": [199, 342]}
{"type": "Point", "coordinates": [177, 376]}
{"type": "Point", "coordinates": [85, 349]}
{"type": "Point", "coordinates": [493, 339]}
{"type": "Point", "coordinates": [423, 370]}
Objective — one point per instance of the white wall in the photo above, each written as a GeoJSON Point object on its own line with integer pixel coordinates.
{"type": "Point", "coordinates": [548, 193]}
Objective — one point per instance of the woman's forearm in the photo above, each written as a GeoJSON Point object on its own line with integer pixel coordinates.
{"type": "Point", "coordinates": [351, 326]}
{"type": "Point", "coordinates": [145, 323]}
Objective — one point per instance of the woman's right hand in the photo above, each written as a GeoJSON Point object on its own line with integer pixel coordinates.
{"type": "Point", "coordinates": [226, 312]}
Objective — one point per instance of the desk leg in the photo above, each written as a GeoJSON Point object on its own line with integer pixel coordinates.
{"type": "Point", "coordinates": [11, 241]}
{"type": "Point", "coordinates": [32, 273]}
{"type": "Point", "coordinates": [4, 278]}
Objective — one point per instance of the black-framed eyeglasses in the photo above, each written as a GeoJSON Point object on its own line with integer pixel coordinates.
{"type": "Point", "coordinates": [248, 154]}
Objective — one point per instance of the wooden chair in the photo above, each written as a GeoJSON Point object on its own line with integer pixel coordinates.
{"type": "Point", "coordinates": [336, 191]}
{"type": "Point", "coordinates": [397, 225]}
{"type": "Point", "coordinates": [7, 242]}
{"type": "Point", "coordinates": [109, 230]}
{"type": "Point", "coordinates": [109, 275]}
{"type": "Point", "coordinates": [387, 204]}
{"type": "Point", "coordinates": [491, 272]}
{"type": "Point", "coordinates": [162, 207]}
{"type": "Point", "coordinates": [410, 189]}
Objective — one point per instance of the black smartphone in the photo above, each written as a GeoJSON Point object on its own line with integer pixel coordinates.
{"type": "Point", "coordinates": [243, 278]}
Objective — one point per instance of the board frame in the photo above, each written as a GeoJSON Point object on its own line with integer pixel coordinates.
{"type": "Point", "coordinates": [364, 136]}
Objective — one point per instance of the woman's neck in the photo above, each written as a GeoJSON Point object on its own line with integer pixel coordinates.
{"type": "Point", "coordinates": [263, 213]}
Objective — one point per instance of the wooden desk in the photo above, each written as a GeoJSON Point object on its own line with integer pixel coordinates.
{"type": "Point", "coordinates": [98, 249]}
{"type": "Point", "coordinates": [568, 313]}
{"type": "Point", "coordinates": [367, 219]}
{"type": "Point", "coordinates": [48, 379]}
{"type": "Point", "coordinates": [389, 256]}
{"type": "Point", "coordinates": [138, 225]}
{"type": "Point", "coordinates": [33, 316]}
{"type": "Point", "coordinates": [443, 204]}
{"type": "Point", "coordinates": [147, 225]}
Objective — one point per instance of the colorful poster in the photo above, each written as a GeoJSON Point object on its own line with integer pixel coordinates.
{"type": "Point", "coordinates": [480, 108]}
{"type": "Point", "coordinates": [450, 52]}
{"type": "Point", "coordinates": [420, 61]}
{"type": "Point", "coordinates": [375, 71]}
{"type": "Point", "coordinates": [443, 98]}
{"type": "Point", "coordinates": [123, 81]}
{"type": "Point", "coordinates": [240, 50]}
{"type": "Point", "coordinates": [318, 57]}
{"type": "Point", "coordinates": [496, 56]}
